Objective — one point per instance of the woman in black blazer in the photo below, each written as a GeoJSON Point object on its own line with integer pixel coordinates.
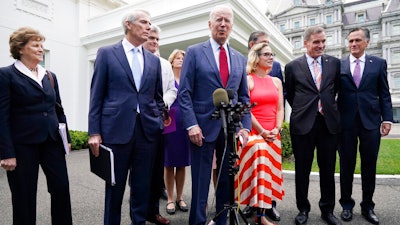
{"type": "Point", "coordinates": [29, 134]}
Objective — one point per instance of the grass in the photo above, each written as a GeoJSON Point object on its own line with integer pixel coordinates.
{"type": "Point", "coordinates": [388, 159]}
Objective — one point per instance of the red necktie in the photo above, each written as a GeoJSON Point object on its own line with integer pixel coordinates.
{"type": "Point", "coordinates": [223, 66]}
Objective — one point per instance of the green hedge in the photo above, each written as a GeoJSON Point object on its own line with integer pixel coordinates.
{"type": "Point", "coordinates": [286, 142]}
{"type": "Point", "coordinates": [79, 139]}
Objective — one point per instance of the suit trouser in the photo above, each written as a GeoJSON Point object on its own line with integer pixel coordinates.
{"type": "Point", "coordinates": [303, 149]}
{"type": "Point", "coordinates": [138, 157]}
{"type": "Point", "coordinates": [157, 182]}
{"type": "Point", "coordinates": [369, 141]}
{"type": "Point", "coordinates": [201, 167]}
{"type": "Point", "coordinates": [50, 155]}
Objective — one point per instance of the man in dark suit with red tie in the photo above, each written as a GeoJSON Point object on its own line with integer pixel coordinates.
{"type": "Point", "coordinates": [366, 113]}
{"type": "Point", "coordinates": [312, 82]}
{"type": "Point", "coordinates": [125, 114]}
{"type": "Point", "coordinates": [208, 66]}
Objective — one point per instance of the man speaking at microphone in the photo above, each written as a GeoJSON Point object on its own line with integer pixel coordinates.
{"type": "Point", "coordinates": [208, 66]}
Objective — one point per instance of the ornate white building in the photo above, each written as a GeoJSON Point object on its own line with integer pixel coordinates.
{"type": "Point", "coordinates": [75, 29]}
{"type": "Point", "coordinates": [338, 17]}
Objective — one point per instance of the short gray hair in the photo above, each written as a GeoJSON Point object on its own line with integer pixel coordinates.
{"type": "Point", "coordinates": [312, 30]}
{"type": "Point", "coordinates": [155, 28]}
{"type": "Point", "coordinates": [131, 17]}
{"type": "Point", "coordinates": [219, 7]}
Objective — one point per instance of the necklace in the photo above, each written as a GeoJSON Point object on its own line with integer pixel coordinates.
{"type": "Point", "coordinates": [34, 69]}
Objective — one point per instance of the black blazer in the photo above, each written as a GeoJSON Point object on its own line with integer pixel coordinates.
{"type": "Point", "coordinates": [303, 95]}
{"type": "Point", "coordinates": [27, 111]}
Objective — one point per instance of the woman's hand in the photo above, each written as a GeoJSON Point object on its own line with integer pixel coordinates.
{"type": "Point", "coordinates": [270, 135]}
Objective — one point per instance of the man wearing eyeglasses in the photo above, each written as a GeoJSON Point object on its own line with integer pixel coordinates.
{"type": "Point", "coordinates": [312, 82]}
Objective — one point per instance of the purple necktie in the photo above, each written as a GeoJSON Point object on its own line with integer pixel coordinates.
{"type": "Point", "coordinates": [357, 73]}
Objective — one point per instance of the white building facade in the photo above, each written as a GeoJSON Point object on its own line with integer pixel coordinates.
{"type": "Point", "coordinates": [75, 29]}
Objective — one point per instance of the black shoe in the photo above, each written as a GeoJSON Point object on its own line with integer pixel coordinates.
{"type": "Point", "coordinates": [370, 216]}
{"type": "Point", "coordinates": [301, 218]}
{"type": "Point", "coordinates": [330, 219]}
{"type": "Point", "coordinates": [164, 194]}
{"type": "Point", "coordinates": [248, 211]}
{"type": "Point", "coordinates": [273, 214]}
{"type": "Point", "coordinates": [347, 215]}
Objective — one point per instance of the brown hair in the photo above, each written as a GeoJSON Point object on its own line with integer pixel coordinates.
{"type": "Point", "coordinates": [20, 37]}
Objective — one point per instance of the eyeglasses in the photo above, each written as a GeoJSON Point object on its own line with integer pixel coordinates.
{"type": "Point", "coordinates": [267, 54]}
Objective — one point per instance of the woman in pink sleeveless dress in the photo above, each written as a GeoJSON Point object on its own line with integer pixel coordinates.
{"type": "Point", "coordinates": [259, 180]}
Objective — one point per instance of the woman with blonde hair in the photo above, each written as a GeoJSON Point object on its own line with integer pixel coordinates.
{"type": "Point", "coordinates": [177, 152]}
{"type": "Point", "coordinates": [259, 180]}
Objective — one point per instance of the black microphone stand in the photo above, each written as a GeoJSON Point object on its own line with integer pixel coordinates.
{"type": "Point", "coordinates": [234, 115]}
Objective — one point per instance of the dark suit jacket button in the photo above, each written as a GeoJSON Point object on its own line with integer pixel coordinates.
{"type": "Point", "coordinates": [45, 114]}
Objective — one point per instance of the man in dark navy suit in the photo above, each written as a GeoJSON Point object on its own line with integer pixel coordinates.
{"type": "Point", "coordinates": [366, 113]}
{"type": "Point", "coordinates": [207, 66]}
{"type": "Point", "coordinates": [125, 114]}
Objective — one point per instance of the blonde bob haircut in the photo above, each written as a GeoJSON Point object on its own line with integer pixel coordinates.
{"type": "Point", "coordinates": [254, 57]}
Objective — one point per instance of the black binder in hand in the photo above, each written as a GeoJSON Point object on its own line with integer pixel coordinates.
{"type": "Point", "coordinates": [103, 165]}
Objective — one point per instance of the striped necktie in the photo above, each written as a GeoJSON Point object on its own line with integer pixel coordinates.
{"type": "Point", "coordinates": [318, 78]}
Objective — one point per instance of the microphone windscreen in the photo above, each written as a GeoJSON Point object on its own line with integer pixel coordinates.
{"type": "Point", "coordinates": [231, 93]}
{"type": "Point", "coordinates": [219, 96]}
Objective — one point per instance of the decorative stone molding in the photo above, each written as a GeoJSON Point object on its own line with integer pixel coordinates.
{"type": "Point", "coordinates": [41, 8]}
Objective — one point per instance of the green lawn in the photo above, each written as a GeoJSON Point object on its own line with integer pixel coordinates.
{"type": "Point", "coordinates": [388, 159]}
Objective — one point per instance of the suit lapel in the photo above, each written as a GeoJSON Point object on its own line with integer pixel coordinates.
{"type": "Point", "coordinates": [306, 71]}
{"type": "Point", "coordinates": [233, 61]}
{"type": "Point", "coordinates": [367, 65]}
{"type": "Point", "coordinates": [31, 81]}
{"type": "Point", "coordinates": [325, 70]}
{"type": "Point", "coordinates": [146, 61]}
{"type": "Point", "coordinates": [121, 57]}
{"type": "Point", "coordinates": [209, 53]}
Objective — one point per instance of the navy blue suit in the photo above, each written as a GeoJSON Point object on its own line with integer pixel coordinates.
{"type": "Point", "coordinates": [276, 71]}
{"type": "Point", "coordinates": [200, 78]}
{"type": "Point", "coordinates": [362, 111]}
{"type": "Point", "coordinates": [29, 133]}
{"type": "Point", "coordinates": [132, 136]}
